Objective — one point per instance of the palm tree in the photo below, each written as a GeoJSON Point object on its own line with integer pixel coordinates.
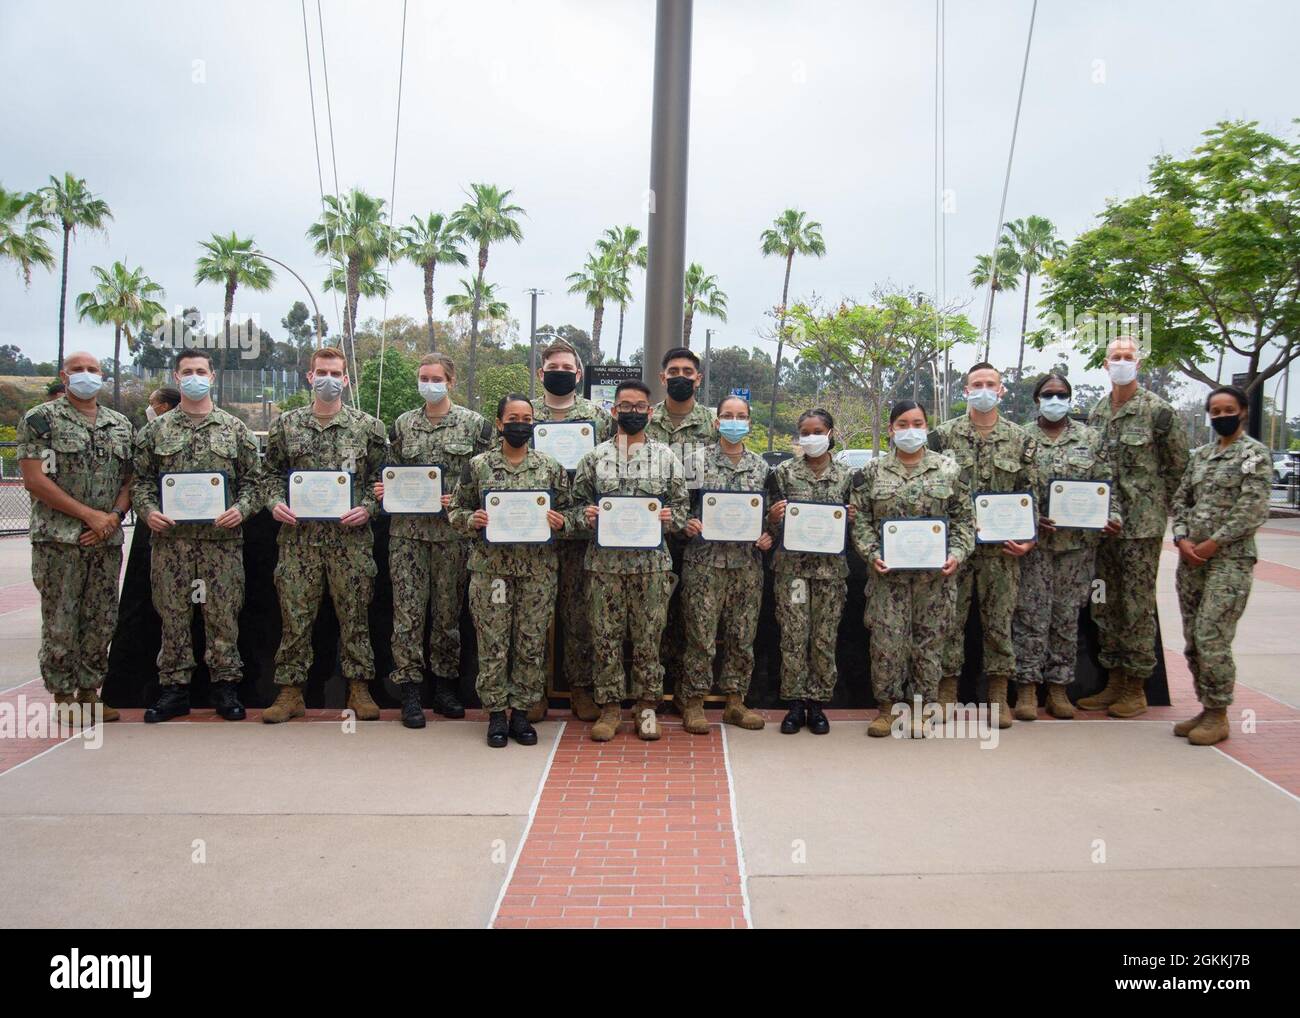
{"type": "Point", "coordinates": [998, 278]}
{"type": "Point", "coordinates": [428, 243]}
{"type": "Point", "coordinates": [21, 226]}
{"type": "Point", "coordinates": [788, 236]}
{"type": "Point", "coordinates": [127, 299]}
{"type": "Point", "coordinates": [623, 244]}
{"type": "Point", "coordinates": [1035, 241]}
{"type": "Point", "coordinates": [701, 294]}
{"type": "Point", "coordinates": [489, 307]}
{"type": "Point", "coordinates": [487, 218]}
{"type": "Point", "coordinates": [601, 280]}
{"type": "Point", "coordinates": [355, 231]}
{"type": "Point", "coordinates": [73, 204]}
{"type": "Point", "coordinates": [232, 263]}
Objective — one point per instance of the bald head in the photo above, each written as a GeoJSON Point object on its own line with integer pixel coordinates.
{"type": "Point", "coordinates": [80, 360]}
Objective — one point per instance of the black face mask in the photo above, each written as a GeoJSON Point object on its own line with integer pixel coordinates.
{"type": "Point", "coordinates": [680, 389]}
{"type": "Point", "coordinates": [517, 433]}
{"type": "Point", "coordinates": [559, 383]}
{"type": "Point", "coordinates": [1226, 425]}
{"type": "Point", "coordinates": [632, 423]}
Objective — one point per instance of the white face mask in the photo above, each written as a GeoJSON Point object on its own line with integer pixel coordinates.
{"type": "Point", "coordinates": [150, 414]}
{"type": "Point", "coordinates": [1122, 372]}
{"type": "Point", "coordinates": [910, 439]}
{"type": "Point", "coordinates": [983, 400]}
{"type": "Point", "coordinates": [433, 392]}
{"type": "Point", "coordinates": [84, 384]}
{"type": "Point", "coordinates": [814, 445]}
{"type": "Point", "coordinates": [1053, 408]}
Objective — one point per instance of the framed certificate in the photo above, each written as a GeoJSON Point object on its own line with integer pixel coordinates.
{"type": "Point", "coordinates": [412, 489]}
{"type": "Point", "coordinates": [914, 544]}
{"type": "Point", "coordinates": [1004, 517]}
{"type": "Point", "coordinates": [319, 494]}
{"type": "Point", "coordinates": [193, 496]}
{"type": "Point", "coordinates": [816, 527]}
{"type": "Point", "coordinates": [567, 441]}
{"type": "Point", "coordinates": [517, 517]}
{"type": "Point", "coordinates": [731, 515]}
{"type": "Point", "coordinates": [628, 521]}
{"type": "Point", "coordinates": [1082, 505]}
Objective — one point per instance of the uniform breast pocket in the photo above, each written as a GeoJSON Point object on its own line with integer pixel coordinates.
{"type": "Point", "coordinates": [1006, 465]}
{"type": "Point", "coordinates": [1133, 442]}
{"type": "Point", "coordinates": [884, 497]}
{"type": "Point", "coordinates": [224, 447]}
{"type": "Point", "coordinates": [1079, 462]}
{"type": "Point", "coordinates": [1225, 486]}
{"type": "Point", "coordinates": [168, 449]}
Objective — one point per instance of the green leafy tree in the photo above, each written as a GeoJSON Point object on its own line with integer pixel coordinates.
{"type": "Point", "coordinates": [230, 262]}
{"type": "Point", "coordinates": [128, 300]}
{"type": "Point", "coordinates": [431, 242]}
{"type": "Point", "coordinates": [21, 226]}
{"type": "Point", "coordinates": [400, 389]}
{"type": "Point", "coordinates": [997, 277]}
{"type": "Point", "coordinates": [703, 296]}
{"type": "Point", "coordinates": [1035, 241]}
{"type": "Point", "coordinates": [75, 207]}
{"type": "Point", "coordinates": [601, 280]}
{"type": "Point", "coordinates": [500, 380]}
{"type": "Point", "coordinates": [623, 244]}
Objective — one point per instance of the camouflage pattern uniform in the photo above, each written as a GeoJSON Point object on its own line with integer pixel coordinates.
{"type": "Point", "coordinates": [77, 585]}
{"type": "Point", "coordinates": [810, 588]}
{"type": "Point", "coordinates": [722, 583]}
{"type": "Point", "coordinates": [316, 552]}
{"type": "Point", "coordinates": [1002, 462]}
{"type": "Point", "coordinates": [571, 595]}
{"type": "Point", "coordinates": [1223, 496]}
{"type": "Point", "coordinates": [190, 552]}
{"type": "Point", "coordinates": [629, 587]}
{"type": "Point", "coordinates": [426, 556]}
{"type": "Point", "coordinates": [909, 612]}
{"type": "Point", "coordinates": [1056, 575]}
{"type": "Point", "coordinates": [511, 586]}
{"type": "Point", "coordinates": [1147, 448]}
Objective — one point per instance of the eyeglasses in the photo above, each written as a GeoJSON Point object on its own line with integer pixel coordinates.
{"type": "Point", "coordinates": [632, 408]}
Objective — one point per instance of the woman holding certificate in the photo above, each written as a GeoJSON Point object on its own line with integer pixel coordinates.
{"type": "Point", "coordinates": [808, 518]}
{"type": "Point", "coordinates": [914, 526]}
{"type": "Point", "coordinates": [1075, 509]}
{"type": "Point", "coordinates": [512, 499]}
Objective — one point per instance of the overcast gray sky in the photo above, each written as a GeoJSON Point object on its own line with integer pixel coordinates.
{"type": "Point", "coordinates": [192, 117]}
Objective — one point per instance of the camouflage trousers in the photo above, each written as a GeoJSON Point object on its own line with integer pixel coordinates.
{"type": "Point", "coordinates": [1212, 598]}
{"type": "Point", "coordinates": [672, 646]}
{"type": "Point", "coordinates": [627, 606]}
{"type": "Point", "coordinates": [78, 588]}
{"type": "Point", "coordinates": [910, 616]}
{"type": "Point", "coordinates": [301, 575]}
{"type": "Point", "coordinates": [428, 576]}
{"type": "Point", "coordinates": [992, 577]}
{"type": "Point", "coordinates": [1125, 611]}
{"type": "Point", "coordinates": [713, 597]}
{"type": "Point", "coordinates": [808, 610]}
{"type": "Point", "coordinates": [573, 610]}
{"type": "Point", "coordinates": [185, 573]}
{"type": "Point", "coordinates": [1053, 587]}
{"type": "Point", "coordinates": [512, 616]}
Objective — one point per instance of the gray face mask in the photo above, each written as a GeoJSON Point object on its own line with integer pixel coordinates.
{"type": "Point", "coordinates": [327, 387]}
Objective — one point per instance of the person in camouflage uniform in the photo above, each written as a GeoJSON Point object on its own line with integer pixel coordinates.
{"type": "Point", "coordinates": [75, 457]}
{"type": "Point", "coordinates": [426, 555]}
{"type": "Point", "coordinates": [1220, 503]}
{"type": "Point", "coordinates": [1147, 448]}
{"type": "Point", "coordinates": [810, 588]}
{"type": "Point", "coordinates": [1056, 575]}
{"type": "Point", "coordinates": [201, 562]}
{"type": "Point", "coordinates": [909, 610]}
{"type": "Point", "coordinates": [994, 456]}
{"type": "Point", "coordinates": [722, 581]}
{"type": "Point", "coordinates": [561, 375]}
{"type": "Point", "coordinates": [512, 586]}
{"type": "Point", "coordinates": [629, 587]}
{"type": "Point", "coordinates": [324, 435]}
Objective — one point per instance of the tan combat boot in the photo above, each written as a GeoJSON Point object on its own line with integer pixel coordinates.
{"type": "Point", "coordinates": [1184, 728]}
{"type": "Point", "coordinates": [1058, 704]}
{"type": "Point", "coordinates": [1132, 699]}
{"type": "Point", "coordinates": [67, 711]}
{"type": "Point", "coordinates": [360, 701]}
{"type": "Point", "coordinates": [584, 707]}
{"type": "Point", "coordinates": [693, 719]}
{"type": "Point", "coordinates": [646, 720]}
{"type": "Point", "coordinates": [288, 704]}
{"type": "Point", "coordinates": [948, 689]}
{"type": "Point", "coordinates": [1026, 701]}
{"type": "Point", "coordinates": [537, 712]}
{"type": "Point", "coordinates": [607, 726]}
{"type": "Point", "coordinates": [998, 695]}
{"type": "Point", "coordinates": [736, 713]}
{"type": "Point", "coordinates": [1108, 695]}
{"type": "Point", "coordinates": [883, 721]}
{"type": "Point", "coordinates": [1213, 727]}
{"type": "Point", "coordinates": [90, 697]}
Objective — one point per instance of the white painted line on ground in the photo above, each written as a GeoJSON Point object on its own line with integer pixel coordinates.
{"type": "Point", "coordinates": [735, 830]}
{"type": "Point", "coordinates": [15, 767]}
{"type": "Point", "coordinates": [523, 838]}
{"type": "Point", "coordinates": [1292, 795]}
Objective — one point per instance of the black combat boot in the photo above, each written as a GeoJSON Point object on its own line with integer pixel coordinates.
{"type": "Point", "coordinates": [173, 702]}
{"type": "Point", "coordinates": [498, 729]}
{"type": "Point", "coordinates": [225, 701]}
{"type": "Point", "coordinates": [521, 730]}
{"type": "Point", "coordinates": [794, 719]}
{"type": "Point", "coordinates": [445, 700]}
{"type": "Point", "coordinates": [412, 712]}
{"type": "Point", "coordinates": [817, 721]}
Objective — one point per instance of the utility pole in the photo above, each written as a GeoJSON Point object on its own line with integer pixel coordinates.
{"type": "Point", "coordinates": [532, 345]}
{"type": "Point", "coordinates": [708, 349]}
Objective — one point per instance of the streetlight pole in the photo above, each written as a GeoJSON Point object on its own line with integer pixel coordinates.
{"type": "Point", "coordinates": [320, 335]}
{"type": "Point", "coordinates": [708, 348]}
{"type": "Point", "coordinates": [532, 345]}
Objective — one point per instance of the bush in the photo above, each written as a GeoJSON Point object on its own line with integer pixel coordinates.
{"type": "Point", "coordinates": [401, 389]}
{"type": "Point", "coordinates": [499, 381]}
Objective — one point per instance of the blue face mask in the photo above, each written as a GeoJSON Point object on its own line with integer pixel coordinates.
{"type": "Point", "coordinates": [733, 430]}
{"type": "Point", "coordinates": [982, 400]}
{"type": "Point", "coordinates": [1053, 408]}
{"type": "Point", "coordinates": [910, 439]}
{"type": "Point", "coordinates": [84, 384]}
{"type": "Point", "coordinates": [196, 387]}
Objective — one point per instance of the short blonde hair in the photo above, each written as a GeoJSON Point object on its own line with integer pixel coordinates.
{"type": "Point", "coordinates": [448, 365]}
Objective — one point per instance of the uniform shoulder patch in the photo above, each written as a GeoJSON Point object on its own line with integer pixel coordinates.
{"type": "Point", "coordinates": [1164, 419]}
{"type": "Point", "coordinates": [38, 421]}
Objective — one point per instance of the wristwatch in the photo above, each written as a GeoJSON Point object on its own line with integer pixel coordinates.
{"type": "Point", "coordinates": [120, 513]}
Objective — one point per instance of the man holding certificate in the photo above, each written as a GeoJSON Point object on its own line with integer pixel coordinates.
{"type": "Point", "coordinates": [632, 491]}
{"type": "Point", "coordinates": [197, 479]}
{"type": "Point", "coordinates": [322, 461]}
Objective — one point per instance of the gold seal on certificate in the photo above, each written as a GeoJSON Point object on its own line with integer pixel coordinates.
{"type": "Point", "coordinates": [415, 489]}
{"type": "Point", "coordinates": [1082, 505]}
{"type": "Point", "coordinates": [517, 517]}
{"type": "Point", "coordinates": [815, 527]}
{"type": "Point", "coordinates": [319, 494]}
{"type": "Point", "coordinates": [192, 496]}
{"type": "Point", "coordinates": [567, 441]}
{"type": "Point", "coordinates": [626, 521]}
{"type": "Point", "coordinates": [1004, 517]}
{"type": "Point", "coordinates": [914, 544]}
{"type": "Point", "coordinates": [731, 515]}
